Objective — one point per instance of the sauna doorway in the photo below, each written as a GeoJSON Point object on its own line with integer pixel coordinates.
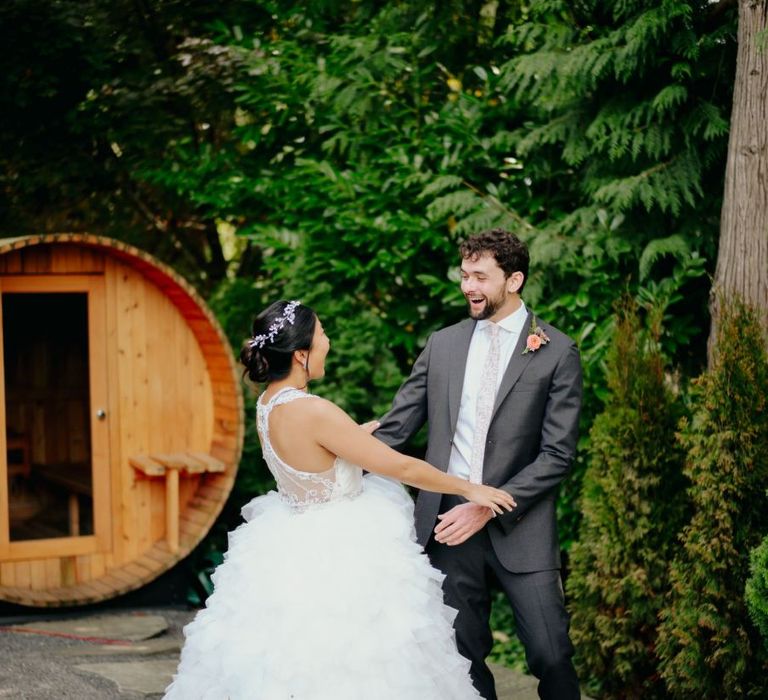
{"type": "Point", "coordinates": [54, 414]}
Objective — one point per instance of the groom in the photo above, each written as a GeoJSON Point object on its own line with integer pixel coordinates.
{"type": "Point", "coordinates": [501, 391]}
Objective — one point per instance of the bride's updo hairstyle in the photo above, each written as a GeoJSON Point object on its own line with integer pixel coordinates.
{"type": "Point", "coordinates": [278, 331]}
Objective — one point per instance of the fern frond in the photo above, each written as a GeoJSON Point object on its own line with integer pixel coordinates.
{"type": "Point", "coordinates": [671, 245]}
{"type": "Point", "coordinates": [455, 204]}
{"type": "Point", "coordinates": [440, 184]}
{"type": "Point", "coordinates": [666, 185]}
{"type": "Point", "coordinates": [483, 218]}
{"type": "Point", "coordinates": [670, 97]}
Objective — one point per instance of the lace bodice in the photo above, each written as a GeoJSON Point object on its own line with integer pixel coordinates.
{"type": "Point", "coordinates": [301, 489]}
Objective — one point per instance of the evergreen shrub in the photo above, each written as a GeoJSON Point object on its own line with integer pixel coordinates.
{"type": "Point", "coordinates": [708, 646]}
{"type": "Point", "coordinates": [757, 588]}
{"type": "Point", "coordinates": [632, 508]}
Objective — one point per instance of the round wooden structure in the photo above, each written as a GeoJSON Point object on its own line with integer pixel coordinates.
{"type": "Point", "coordinates": [124, 419]}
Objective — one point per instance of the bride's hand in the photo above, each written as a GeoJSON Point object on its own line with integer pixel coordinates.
{"type": "Point", "coordinates": [490, 497]}
{"type": "Point", "coordinates": [370, 426]}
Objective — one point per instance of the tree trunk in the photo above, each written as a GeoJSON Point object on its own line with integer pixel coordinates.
{"type": "Point", "coordinates": [742, 260]}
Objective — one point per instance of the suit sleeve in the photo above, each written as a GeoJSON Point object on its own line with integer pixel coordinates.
{"type": "Point", "coordinates": [559, 434]}
{"type": "Point", "coordinates": [409, 407]}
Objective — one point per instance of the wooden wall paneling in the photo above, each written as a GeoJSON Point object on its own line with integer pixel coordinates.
{"type": "Point", "coordinates": [98, 566]}
{"type": "Point", "coordinates": [67, 571]}
{"type": "Point", "coordinates": [158, 352]}
{"type": "Point", "coordinates": [200, 385]}
{"type": "Point", "coordinates": [37, 574]}
{"type": "Point", "coordinates": [83, 568]}
{"type": "Point", "coordinates": [53, 566]}
{"type": "Point", "coordinates": [187, 381]}
{"type": "Point", "coordinates": [136, 416]}
{"type": "Point", "coordinates": [10, 263]}
{"type": "Point", "coordinates": [23, 574]}
{"type": "Point", "coordinates": [92, 260]}
{"type": "Point", "coordinates": [162, 402]}
{"type": "Point", "coordinates": [7, 573]}
{"type": "Point", "coordinates": [133, 438]}
{"type": "Point", "coordinates": [157, 503]}
{"type": "Point", "coordinates": [121, 475]}
{"type": "Point", "coordinates": [36, 260]}
{"type": "Point", "coordinates": [208, 411]}
{"type": "Point", "coordinates": [187, 490]}
{"type": "Point", "coordinates": [77, 258]}
{"type": "Point", "coordinates": [66, 260]}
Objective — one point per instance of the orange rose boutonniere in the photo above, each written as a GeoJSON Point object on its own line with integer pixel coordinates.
{"type": "Point", "coordinates": [536, 338]}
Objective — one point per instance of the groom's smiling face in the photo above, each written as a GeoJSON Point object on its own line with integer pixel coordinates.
{"type": "Point", "coordinates": [487, 291]}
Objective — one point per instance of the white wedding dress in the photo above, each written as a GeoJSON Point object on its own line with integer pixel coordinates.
{"type": "Point", "coordinates": [323, 595]}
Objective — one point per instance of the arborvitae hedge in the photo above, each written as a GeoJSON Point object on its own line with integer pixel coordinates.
{"type": "Point", "coordinates": [757, 588]}
{"type": "Point", "coordinates": [708, 646]}
{"type": "Point", "coordinates": [633, 507]}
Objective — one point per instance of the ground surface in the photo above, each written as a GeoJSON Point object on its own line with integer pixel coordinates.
{"type": "Point", "coordinates": [125, 655]}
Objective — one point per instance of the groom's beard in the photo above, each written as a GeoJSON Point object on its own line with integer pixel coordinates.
{"type": "Point", "coordinates": [490, 308]}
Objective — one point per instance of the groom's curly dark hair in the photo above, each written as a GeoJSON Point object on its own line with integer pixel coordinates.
{"type": "Point", "coordinates": [510, 252]}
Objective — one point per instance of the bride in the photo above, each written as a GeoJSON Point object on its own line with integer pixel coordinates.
{"type": "Point", "coordinates": [323, 593]}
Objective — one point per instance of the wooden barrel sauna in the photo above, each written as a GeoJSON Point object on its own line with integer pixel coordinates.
{"type": "Point", "coordinates": [123, 417]}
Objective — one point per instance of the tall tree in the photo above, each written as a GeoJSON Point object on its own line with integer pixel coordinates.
{"type": "Point", "coordinates": [742, 259]}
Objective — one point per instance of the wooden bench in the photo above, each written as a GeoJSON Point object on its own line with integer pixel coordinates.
{"type": "Point", "coordinates": [168, 466]}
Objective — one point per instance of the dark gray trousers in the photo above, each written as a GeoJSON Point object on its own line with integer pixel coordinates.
{"type": "Point", "coordinates": [537, 603]}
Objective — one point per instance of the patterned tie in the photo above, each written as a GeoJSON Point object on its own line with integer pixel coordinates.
{"type": "Point", "coordinates": [486, 395]}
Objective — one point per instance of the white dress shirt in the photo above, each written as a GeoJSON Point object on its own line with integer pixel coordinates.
{"type": "Point", "coordinates": [510, 328]}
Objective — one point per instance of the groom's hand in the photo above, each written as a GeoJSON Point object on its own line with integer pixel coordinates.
{"type": "Point", "coordinates": [461, 522]}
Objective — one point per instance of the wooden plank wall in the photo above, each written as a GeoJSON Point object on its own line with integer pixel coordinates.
{"type": "Point", "coordinates": [163, 398]}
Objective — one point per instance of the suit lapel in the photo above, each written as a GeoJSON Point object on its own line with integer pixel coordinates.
{"type": "Point", "coordinates": [458, 365]}
{"type": "Point", "coordinates": [517, 363]}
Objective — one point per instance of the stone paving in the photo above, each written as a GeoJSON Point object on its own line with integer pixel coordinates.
{"type": "Point", "coordinates": [127, 655]}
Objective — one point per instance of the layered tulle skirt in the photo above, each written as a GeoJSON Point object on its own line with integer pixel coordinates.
{"type": "Point", "coordinates": [337, 602]}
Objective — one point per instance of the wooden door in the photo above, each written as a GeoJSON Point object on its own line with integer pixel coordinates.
{"type": "Point", "coordinates": [36, 442]}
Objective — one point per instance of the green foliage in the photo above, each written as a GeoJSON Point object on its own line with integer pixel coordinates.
{"type": "Point", "coordinates": [623, 140]}
{"type": "Point", "coordinates": [757, 588]}
{"type": "Point", "coordinates": [632, 509]}
{"type": "Point", "coordinates": [707, 645]}
{"type": "Point", "coordinates": [619, 88]}
{"type": "Point", "coordinates": [337, 152]}
{"type": "Point", "coordinates": [94, 96]}
{"type": "Point", "coordinates": [359, 151]}
{"type": "Point", "coordinates": [627, 119]}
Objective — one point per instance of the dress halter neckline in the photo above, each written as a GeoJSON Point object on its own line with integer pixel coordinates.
{"type": "Point", "coordinates": [278, 393]}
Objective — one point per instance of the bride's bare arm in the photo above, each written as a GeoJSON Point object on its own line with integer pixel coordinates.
{"type": "Point", "coordinates": [340, 435]}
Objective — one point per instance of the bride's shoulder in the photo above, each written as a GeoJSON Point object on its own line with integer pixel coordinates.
{"type": "Point", "coordinates": [324, 414]}
{"type": "Point", "coordinates": [316, 406]}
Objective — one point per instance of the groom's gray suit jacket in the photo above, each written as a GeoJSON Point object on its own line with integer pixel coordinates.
{"type": "Point", "coordinates": [530, 443]}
